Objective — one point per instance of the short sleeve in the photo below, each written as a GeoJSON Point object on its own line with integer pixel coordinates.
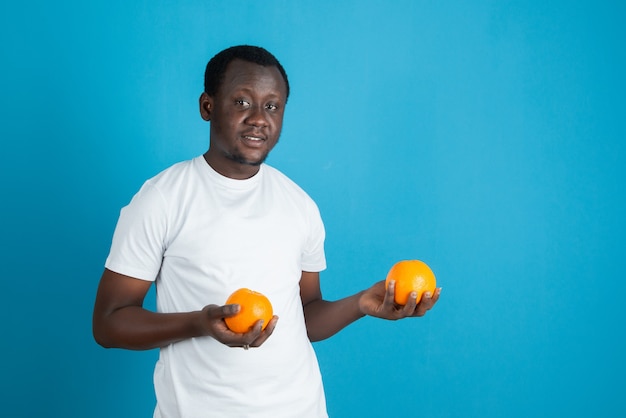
{"type": "Point", "coordinates": [139, 238]}
{"type": "Point", "coordinates": [313, 256]}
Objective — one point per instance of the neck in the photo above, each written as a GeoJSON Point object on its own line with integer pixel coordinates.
{"type": "Point", "coordinates": [236, 171]}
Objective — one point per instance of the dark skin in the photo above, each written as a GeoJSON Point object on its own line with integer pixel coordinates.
{"type": "Point", "coordinates": [246, 117]}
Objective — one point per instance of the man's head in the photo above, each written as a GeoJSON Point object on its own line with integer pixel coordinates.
{"type": "Point", "coordinates": [215, 69]}
{"type": "Point", "coordinates": [245, 102]}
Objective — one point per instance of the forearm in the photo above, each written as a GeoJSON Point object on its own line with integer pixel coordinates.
{"type": "Point", "coordinates": [135, 328]}
{"type": "Point", "coordinates": [325, 318]}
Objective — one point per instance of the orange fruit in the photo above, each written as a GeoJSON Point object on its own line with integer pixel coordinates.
{"type": "Point", "coordinates": [411, 276]}
{"type": "Point", "coordinates": [253, 306]}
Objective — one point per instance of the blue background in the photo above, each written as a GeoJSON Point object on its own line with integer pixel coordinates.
{"type": "Point", "coordinates": [485, 138]}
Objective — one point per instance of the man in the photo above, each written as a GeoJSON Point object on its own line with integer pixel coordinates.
{"type": "Point", "coordinates": [206, 227]}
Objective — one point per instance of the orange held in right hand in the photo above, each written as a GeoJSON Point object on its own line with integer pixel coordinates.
{"type": "Point", "coordinates": [252, 307]}
{"type": "Point", "coordinates": [411, 276]}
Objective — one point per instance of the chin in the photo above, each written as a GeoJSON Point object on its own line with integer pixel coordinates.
{"type": "Point", "coordinates": [248, 161]}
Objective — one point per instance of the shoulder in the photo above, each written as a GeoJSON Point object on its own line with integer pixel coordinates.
{"type": "Point", "coordinates": [173, 174]}
{"type": "Point", "coordinates": [278, 178]}
{"type": "Point", "coordinates": [281, 180]}
{"type": "Point", "coordinates": [290, 191]}
{"type": "Point", "coordinates": [180, 178]}
{"type": "Point", "coordinates": [165, 187]}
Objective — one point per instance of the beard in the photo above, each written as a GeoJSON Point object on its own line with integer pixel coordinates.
{"type": "Point", "coordinates": [238, 158]}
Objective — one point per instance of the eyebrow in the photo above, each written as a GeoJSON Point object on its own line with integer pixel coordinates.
{"type": "Point", "coordinates": [250, 91]}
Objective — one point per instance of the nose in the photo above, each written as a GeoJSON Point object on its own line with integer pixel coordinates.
{"type": "Point", "coordinates": [256, 116]}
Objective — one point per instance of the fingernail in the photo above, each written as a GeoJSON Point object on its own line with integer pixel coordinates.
{"type": "Point", "coordinates": [428, 295]}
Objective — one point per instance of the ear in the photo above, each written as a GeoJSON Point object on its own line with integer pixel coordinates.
{"type": "Point", "coordinates": [206, 106]}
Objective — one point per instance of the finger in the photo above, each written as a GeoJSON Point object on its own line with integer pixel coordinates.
{"type": "Point", "coordinates": [246, 339]}
{"type": "Point", "coordinates": [265, 334]}
{"type": "Point", "coordinates": [425, 304]}
{"type": "Point", "coordinates": [256, 329]}
{"type": "Point", "coordinates": [411, 304]}
{"type": "Point", "coordinates": [270, 326]}
{"type": "Point", "coordinates": [388, 301]}
{"type": "Point", "coordinates": [228, 337]}
{"type": "Point", "coordinates": [436, 296]}
{"type": "Point", "coordinates": [225, 311]}
{"type": "Point", "coordinates": [254, 337]}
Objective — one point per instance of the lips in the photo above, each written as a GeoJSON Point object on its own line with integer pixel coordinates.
{"type": "Point", "coordinates": [253, 139]}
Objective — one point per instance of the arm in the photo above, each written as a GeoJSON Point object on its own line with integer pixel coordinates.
{"type": "Point", "coordinates": [119, 319]}
{"type": "Point", "coordinates": [324, 318]}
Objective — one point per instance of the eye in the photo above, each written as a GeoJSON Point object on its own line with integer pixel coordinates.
{"type": "Point", "coordinates": [271, 106]}
{"type": "Point", "coordinates": [242, 103]}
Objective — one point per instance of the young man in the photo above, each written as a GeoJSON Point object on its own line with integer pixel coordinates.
{"type": "Point", "coordinates": [221, 221]}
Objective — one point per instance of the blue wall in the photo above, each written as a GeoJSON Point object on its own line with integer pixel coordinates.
{"type": "Point", "coordinates": [486, 138]}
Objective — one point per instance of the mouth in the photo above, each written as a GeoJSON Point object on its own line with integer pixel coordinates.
{"type": "Point", "coordinates": [253, 140]}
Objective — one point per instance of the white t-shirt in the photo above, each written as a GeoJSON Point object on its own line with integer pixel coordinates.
{"type": "Point", "coordinates": [201, 236]}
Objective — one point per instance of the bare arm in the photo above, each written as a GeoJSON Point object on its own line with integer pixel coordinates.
{"type": "Point", "coordinates": [119, 319]}
{"type": "Point", "coordinates": [325, 318]}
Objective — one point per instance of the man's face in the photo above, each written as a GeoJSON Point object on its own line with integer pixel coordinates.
{"type": "Point", "coordinates": [246, 117]}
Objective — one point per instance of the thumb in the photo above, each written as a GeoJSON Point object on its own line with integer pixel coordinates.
{"type": "Point", "coordinates": [225, 311]}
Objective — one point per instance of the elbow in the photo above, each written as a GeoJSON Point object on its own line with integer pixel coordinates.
{"type": "Point", "coordinates": [316, 339]}
{"type": "Point", "coordinates": [102, 342]}
{"type": "Point", "coordinates": [101, 336]}
{"type": "Point", "coordinates": [315, 336]}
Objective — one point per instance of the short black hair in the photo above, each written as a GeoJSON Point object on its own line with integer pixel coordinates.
{"type": "Point", "coordinates": [215, 69]}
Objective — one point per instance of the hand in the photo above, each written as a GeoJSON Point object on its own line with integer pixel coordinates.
{"type": "Point", "coordinates": [379, 302]}
{"type": "Point", "coordinates": [213, 319]}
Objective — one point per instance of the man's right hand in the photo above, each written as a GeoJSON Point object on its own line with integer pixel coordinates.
{"type": "Point", "coordinates": [216, 327]}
